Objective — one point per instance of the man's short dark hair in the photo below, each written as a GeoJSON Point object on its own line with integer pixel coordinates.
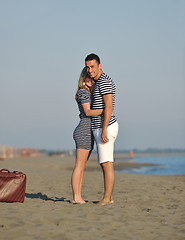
{"type": "Point", "coordinates": [92, 56]}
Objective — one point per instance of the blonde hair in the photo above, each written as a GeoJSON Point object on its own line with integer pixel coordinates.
{"type": "Point", "coordinates": [81, 82]}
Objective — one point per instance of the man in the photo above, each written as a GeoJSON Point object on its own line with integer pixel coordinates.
{"type": "Point", "coordinates": [105, 126]}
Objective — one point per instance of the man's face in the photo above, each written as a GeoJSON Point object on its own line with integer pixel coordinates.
{"type": "Point", "coordinates": [93, 68]}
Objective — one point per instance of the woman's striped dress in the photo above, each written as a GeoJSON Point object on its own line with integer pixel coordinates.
{"type": "Point", "coordinates": [82, 134]}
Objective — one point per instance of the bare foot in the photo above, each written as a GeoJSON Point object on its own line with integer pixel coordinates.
{"type": "Point", "coordinates": [111, 201]}
{"type": "Point", "coordinates": [103, 203]}
{"type": "Point", "coordinates": [78, 201]}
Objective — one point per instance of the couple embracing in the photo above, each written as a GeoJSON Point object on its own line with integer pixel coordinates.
{"type": "Point", "coordinates": [95, 97]}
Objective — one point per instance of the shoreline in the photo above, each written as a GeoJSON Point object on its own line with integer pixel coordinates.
{"type": "Point", "coordinates": [92, 165]}
{"type": "Point", "coordinates": [126, 156]}
{"type": "Point", "coordinates": [138, 155]}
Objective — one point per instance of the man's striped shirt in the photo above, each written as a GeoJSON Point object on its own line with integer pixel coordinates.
{"type": "Point", "coordinates": [104, 85]}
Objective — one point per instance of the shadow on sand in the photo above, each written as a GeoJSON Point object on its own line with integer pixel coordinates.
{"type": "Point", "coordinates": [45, 197]}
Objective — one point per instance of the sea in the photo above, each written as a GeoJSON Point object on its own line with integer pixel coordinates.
{"type": "Point", "coordinates": [166, 165]}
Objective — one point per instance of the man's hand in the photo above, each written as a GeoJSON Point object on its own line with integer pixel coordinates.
{"type": "Point", "coordinates": [104, 136]}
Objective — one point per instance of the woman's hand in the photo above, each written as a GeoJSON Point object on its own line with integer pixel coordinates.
{"type": "Point", "coordinates": [101, 111]}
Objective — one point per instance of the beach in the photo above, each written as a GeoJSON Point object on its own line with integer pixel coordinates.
{"type": "Point", "coordinates": [146, 206]}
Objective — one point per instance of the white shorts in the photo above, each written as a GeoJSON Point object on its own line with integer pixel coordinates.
{"type": "Point", "coordinates": [106, 150]}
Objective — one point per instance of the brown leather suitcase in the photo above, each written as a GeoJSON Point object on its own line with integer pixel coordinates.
{"type": "Point", "coordinates": [12, 186]}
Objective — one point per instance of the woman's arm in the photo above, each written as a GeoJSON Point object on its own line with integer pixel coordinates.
{"type": "Point", "coordinates": [89, 112]}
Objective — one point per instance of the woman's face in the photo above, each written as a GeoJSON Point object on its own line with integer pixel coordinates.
{"type": "Point", "coordinates": [88, 82]}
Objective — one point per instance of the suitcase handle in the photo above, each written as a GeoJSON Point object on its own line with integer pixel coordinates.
{"type": "Point", "coordinates": [17, 172]}
{"type": "Point", "coordinates": [4, 170]}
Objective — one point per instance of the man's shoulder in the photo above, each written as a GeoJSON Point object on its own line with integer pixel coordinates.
{"type": "Point", "coordinates": [105, 80]}
{"type": "Point", "coordinates": [105, 77]}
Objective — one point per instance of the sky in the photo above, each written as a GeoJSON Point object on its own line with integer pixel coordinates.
{"type": "Point", "coordinates": [43, 45]}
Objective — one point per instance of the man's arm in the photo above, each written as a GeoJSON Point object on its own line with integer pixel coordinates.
{"type": "Point", "coordinates": [108, 100]}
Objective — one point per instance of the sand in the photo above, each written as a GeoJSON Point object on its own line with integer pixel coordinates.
{"type": "Point", "coordinates": [146, 207]}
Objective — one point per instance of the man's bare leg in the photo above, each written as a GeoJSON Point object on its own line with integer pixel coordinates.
{"type": "Point", "coordinates": [109, 178]}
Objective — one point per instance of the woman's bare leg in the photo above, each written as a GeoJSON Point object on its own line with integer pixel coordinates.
{"type": "Point", "coordinates": [77, 175]}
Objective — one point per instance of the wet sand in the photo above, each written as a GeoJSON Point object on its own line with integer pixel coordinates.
{"type": "Point", "coordinates": [146, 207]}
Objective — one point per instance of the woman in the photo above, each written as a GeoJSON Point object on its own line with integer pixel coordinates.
{"type": "Point", "coordinates": [83, 135]}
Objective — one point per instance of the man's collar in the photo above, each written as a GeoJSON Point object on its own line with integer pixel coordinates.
{"type": "Point", "coordinates": [99, 77]}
